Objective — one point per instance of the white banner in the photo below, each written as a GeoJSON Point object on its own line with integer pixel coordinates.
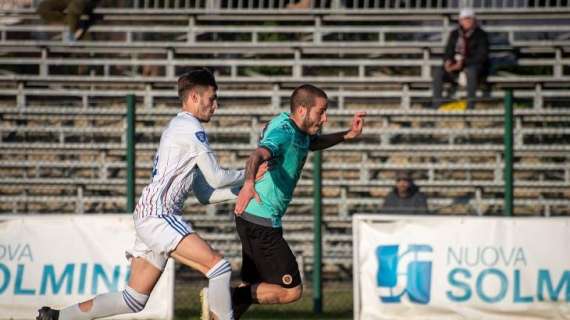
{"type": "Point", "coordinates": [461, 268]}
{"type": "Point", "coordinates": [57, 260]}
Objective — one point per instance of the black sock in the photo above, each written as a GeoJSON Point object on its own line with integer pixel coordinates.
{"type": "Point", "coordinates": [242, 295]}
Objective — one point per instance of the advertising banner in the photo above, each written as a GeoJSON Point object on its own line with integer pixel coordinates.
{"type": "Point", "coordinates": [59, 260]}
{"type": "Point", "coordinates": [461, 267]}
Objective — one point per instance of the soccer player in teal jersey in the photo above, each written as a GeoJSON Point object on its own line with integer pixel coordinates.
{"type": "Point", "coordinates": [269, 268]}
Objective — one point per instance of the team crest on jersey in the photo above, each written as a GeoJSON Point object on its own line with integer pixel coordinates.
{"type": "Point", "coordinates": [202, 137]}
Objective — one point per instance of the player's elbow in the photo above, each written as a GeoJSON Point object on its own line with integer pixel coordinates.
{"type": "Point", "coordinates": [291, 295]}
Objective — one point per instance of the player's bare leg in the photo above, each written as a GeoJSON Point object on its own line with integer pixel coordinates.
{"type": "Point", "coordinates": [262, 293]}
{"type": "Point", "coordinates": [194, 252]}
{"type": "Point", "coordinates": [267, 293]}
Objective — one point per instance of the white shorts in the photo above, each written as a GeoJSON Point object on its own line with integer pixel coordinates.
{"type": "Point", "coordinates": [157, 237]}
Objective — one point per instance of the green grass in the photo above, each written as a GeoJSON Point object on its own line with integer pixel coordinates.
{"type": "Point", "coordinates": [337, 304]}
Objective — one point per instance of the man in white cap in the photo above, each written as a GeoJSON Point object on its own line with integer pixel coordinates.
{"type": "Point", "coordinates": [467, 51]}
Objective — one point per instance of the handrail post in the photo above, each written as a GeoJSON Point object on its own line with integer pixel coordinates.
{"type": "Point", "coordinates": [131, 101]}
{"type": "Point", "coordinates": [317, 240]}
{"type": "Point", "coordinates": [508, 156]}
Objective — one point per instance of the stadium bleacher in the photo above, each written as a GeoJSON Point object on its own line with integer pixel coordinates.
{"type": "Point", "coordinates": [63, 106]}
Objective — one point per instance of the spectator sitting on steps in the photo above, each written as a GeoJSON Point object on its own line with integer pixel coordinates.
{"type": "Point", "coordinates": [466, 57]}
{"type": "Point", "coordinates": [406, 197]}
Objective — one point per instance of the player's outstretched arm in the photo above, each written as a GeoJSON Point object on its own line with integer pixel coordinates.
{"type": "Point", "coordinates": [216, 176]}
{"type": "Point", "coordinates": [328, 140]}
{"type": "Point", "coordinates": [205, 194]}
{"type": "Point", "coordinates": [247, 192]}
{"type": "Point", "coordinates": [208, 195]}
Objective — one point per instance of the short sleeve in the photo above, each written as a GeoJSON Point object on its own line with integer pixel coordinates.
{"type": "Point", "coordinates": [275, 141]}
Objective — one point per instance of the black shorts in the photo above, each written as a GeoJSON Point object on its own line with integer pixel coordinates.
{"type": "Point", "coordinates": [266, 256]}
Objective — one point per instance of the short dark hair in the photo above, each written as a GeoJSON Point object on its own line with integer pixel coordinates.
{"type": "Point", "coordinates": [404, 175]}
{"type": "Point", "coordinates": [305, 95]}
{"type": "Point", "coordinates": [195, 79]}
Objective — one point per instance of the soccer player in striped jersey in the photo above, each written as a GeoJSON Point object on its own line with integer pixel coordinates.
{"type": "Point", "coordinates": [184, 162]}
{"type": "Point", "coordinates": [269, 268]}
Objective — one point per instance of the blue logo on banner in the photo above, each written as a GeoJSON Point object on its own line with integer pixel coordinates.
{"type": "Point", "coordinates": [404, 273]}
{"type": "Point", "coordinates": [202, 137]}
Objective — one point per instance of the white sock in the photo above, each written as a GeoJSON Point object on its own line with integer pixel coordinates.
{"type": "Point", "coordinates": [219, 296]}
{"type": "Point", "coordinates": [108, 304]}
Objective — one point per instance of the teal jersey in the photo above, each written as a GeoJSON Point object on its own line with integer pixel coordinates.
{"type": "Point", "coordinates": [289, 147]}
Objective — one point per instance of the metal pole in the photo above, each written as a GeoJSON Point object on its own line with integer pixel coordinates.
{"type": "Point", "coordinates": [131, 101]}
{"type": "Point", "coordinates": [508, 157]}
{"type": "Point", "coordinates": [317, 245]}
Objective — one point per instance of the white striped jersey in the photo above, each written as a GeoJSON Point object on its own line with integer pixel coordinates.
{"type": "Point", "coordinates": [183, 149]}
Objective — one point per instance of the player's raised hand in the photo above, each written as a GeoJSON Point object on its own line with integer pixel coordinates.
{"type": "Point", "coordinates": [357, 124]}
{"type": "Point", "coordinates": [246, 193]}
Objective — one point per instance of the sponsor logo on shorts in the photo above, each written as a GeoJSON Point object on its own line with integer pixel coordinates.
{"type": "Point", "coordinates": [287, 279]}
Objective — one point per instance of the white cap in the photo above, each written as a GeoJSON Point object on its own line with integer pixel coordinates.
{"type": "Point", "coordinates": [466, 13]}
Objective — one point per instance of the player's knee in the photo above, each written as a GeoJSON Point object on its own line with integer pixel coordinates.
{"type": "Point", "coordinates": [290, 295]}
{"type": "Point", "coordinates": [134, 300]}
{"type": "Point", "coordinates": [214, 259]}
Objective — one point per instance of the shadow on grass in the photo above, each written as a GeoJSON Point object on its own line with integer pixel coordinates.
{"type": "Point", "coordinates": [267, 313]}
{"type": "Point", "coordinates": [337, 304]}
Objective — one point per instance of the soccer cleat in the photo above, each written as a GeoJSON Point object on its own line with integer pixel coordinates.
{"type": "Point", "coordinates": [47, 313]}
{"type": "Point", "coordinates": [205, 314]}
{"type": "Point", "coordinates": [240, 309]}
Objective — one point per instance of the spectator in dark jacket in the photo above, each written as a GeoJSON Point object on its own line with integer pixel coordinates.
{"type": "Point", "coordinates": [406, 197]}
{"type": "Point", "coordinates": [467, 51]}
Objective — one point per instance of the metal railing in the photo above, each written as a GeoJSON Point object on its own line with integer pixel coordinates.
{"type": "Point", "coordinates": [331, 5]}
{"type": "Point", "coordinates": [380, 5]}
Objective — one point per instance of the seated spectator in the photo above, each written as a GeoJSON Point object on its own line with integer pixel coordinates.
{"type": "Point", "coordinates": [406, 197]}
{"type": "Point", "coordinates": [68, 12]}
{"type": "Point", "coordinates": [466, 55]}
